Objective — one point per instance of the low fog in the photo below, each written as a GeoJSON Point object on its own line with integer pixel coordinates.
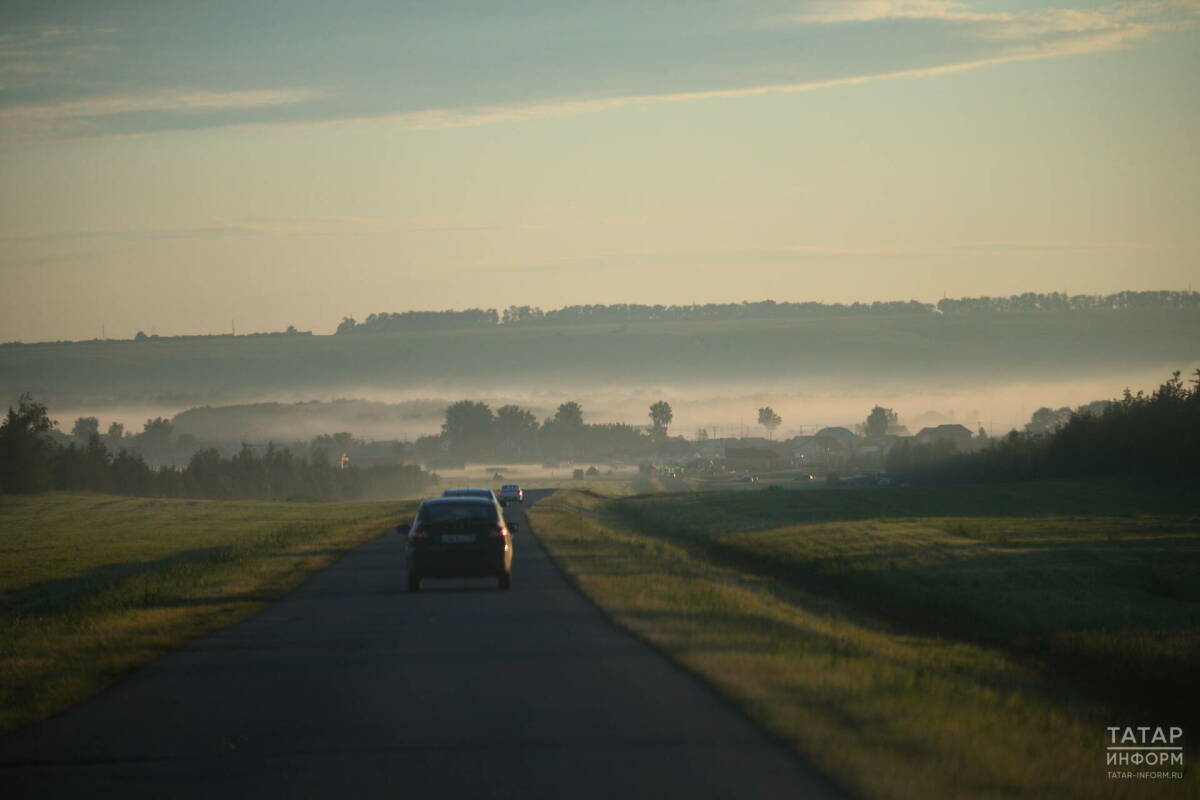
{"type": "Point", "coordinates": [721, 408]}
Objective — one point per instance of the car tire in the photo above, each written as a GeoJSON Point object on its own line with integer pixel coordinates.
{"type": "Point", "coordinates": [505, 581]}
{"type": "Point", "coordinates": [414, 582]}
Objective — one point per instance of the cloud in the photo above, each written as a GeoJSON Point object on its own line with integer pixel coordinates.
{"type": "Point", "coordinates": [1009, 247]}
{"type": "Point", "coordinates": [246, 226]}
{"type": "Point", "coordinates": [77, 117]}
{"type": "Point", "coordinates": [1020, 36]}
{"type": "Point", "coordinates": [636, 261]}
{"type": "Point", "coordinates": [273, 228]}
{"type": "Point", "coordinates": [434, 119]}
{"type": "Point", "coordinates": [29, 54]}
{"type": "Point", "coordinates": [792, 252]}
{"type": "Point", "coordinates": [1124, 20]}
{"type": "Point", "coordinates": [834, 11]}
{"type": "Point", "coordinates": [996, 37]}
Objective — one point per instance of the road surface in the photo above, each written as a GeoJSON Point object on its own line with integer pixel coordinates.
{"type": "Point", "coordinates": [353, 687]}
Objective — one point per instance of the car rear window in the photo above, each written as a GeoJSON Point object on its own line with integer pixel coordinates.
{"type": "Point", "coordinates": [453, 512]}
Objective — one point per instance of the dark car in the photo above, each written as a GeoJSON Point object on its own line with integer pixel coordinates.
{"type": "Point", "coordinates": [459, 537]}
{"type": "Point", "coordinates": [487, 494]}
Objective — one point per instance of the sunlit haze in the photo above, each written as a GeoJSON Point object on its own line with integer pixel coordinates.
{"type": "Point", "coordinates": [190, 167]}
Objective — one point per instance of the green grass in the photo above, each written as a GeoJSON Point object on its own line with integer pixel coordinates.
{"type": "Point", "coordinates": [94, 585]}
{"type": "Point", "coordinates": [934, 642]}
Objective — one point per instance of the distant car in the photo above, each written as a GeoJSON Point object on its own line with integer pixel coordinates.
{"type": "Point", "coordinates": [459, 537]}
{"type": "Point", "coordinates": [511, 493]}
{"type": "Point", "coordinates": [486, 494]}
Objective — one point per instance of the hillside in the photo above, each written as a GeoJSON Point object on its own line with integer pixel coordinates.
{"type": "Point", "coordinates": [901, 349]}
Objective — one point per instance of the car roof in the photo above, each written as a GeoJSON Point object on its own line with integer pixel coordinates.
{"type": "Point", "coordinates": [455, 499]}
{"type": "Point", "coordinates": [465, 492]}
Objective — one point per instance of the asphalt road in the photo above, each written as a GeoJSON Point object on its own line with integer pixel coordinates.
{"type": "Point", "coordinates": [353, 687]}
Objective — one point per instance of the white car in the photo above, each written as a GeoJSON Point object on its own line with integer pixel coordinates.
{"type": "Point", "coordinates": [510, 493]}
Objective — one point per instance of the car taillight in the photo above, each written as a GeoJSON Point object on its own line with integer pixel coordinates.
{"type": "Point", "coordinates": [499, 531]}
{"type": "Point", "coordinates": [419, 532]}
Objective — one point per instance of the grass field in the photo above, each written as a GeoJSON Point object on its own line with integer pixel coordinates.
{"type": "Point", "coordinates": [922, 642]}
{"type": "Point", "coordinates": [94, 585]}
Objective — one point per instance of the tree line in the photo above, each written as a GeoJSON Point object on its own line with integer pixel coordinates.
{"type": "Point", "coordinates": [473, 431]}
{"type": "Point", "coordinates": [618, 313]}
{"type": "Point", "coordinates": [1142, 435]}
{"type": "Point", "coordinates": [624, 313]}
{"type": "Point", "coordinates": [421, 321]}
{"type": "Point", "coordinates": [1059, 301]}
{"type": "Point", "coordinates": [31, 460]}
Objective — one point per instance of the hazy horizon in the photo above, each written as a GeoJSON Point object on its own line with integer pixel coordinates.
{"type": "Point", "coordinates": [724, 410]}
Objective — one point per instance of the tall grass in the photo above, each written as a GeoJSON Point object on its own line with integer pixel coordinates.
{"type": "Point", "coordinates": [923, 655]}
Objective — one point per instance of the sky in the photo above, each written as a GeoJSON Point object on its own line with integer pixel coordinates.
{"type": "Point", "coordinates": [185, 167]}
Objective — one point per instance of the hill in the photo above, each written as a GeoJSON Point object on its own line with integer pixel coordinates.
{"type": "Point", "coordinates": [885, 349]}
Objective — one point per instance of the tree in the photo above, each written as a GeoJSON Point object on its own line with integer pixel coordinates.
{"type": "Point", "coordinates": [468, 427]}
{"type": "Point", "coordinates": [155, 438]}
{"type": "Point", "coordinates": [569, 415]}
{"type": "Point", "coordinates": [25, 450]}
{"type": "Point", "coordinates": [131, 475]}
{"type": "Point", "coordinates": [879, 420]}
{"type": "Point", "coordinates": [1048, 420]}
{"type": "Point", "coordinates": [514, 425]}
{"type": "Point", "coordinates": [97, 462]}
{"type": "Point", "coordinates": [1094, 408]}
{"type": "Point", "coordinates": [661, 416]}
{"type": "Point", "coordinates": [85, 428]}
{"type": "Point", "coordinates": [116, 431]}
{"type": "Point", "coordinates": [769, 419]}
{"type": "Point", "coordinates": [564, 434]}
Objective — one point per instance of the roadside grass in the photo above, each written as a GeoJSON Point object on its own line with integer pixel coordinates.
{"type": "Point", "coordinates": [647, 483]}
{"type": "Point", "coordinates": [773, 482]}
{"type": "Point", "coordinates": [618, 481]}
{"type": "Point", "coordinates": [615, 487]}
{"type": "Point", "coordinates": [924, 654]}
{"type": "Point", "coordinates": [92, 585]}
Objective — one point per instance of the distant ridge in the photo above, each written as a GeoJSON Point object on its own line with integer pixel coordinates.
{"type": "Point", "coordinates": [624, 313]}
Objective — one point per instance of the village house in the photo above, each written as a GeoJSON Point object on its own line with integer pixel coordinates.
{"type": "Point", "coordinates": [958, 435]}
